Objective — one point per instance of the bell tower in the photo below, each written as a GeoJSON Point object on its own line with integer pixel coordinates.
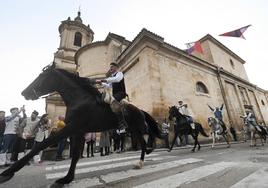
{"type": "Point", "coordinates": [73, 35]}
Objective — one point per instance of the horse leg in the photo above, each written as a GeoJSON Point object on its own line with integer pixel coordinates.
{"type": "Point", "coordinates": [143, 150]}
{"type": "Point", "coordinates": [261, 137]}
{"type": "Point", "coordinates": [77, 143]}
{"type": "Point", "coordinates": [251, 138]}
{"type": "Point", "coordinates": [9, 173]}
{"type": "Point", "coordinates": [195, 142]}
{"type": "Point", "coordinates": [213, 140]}
{"type": "Point", "coordinates": [198, 143]}
{"type": "Point", "coordinates": [226, 140]}
{"type": "Point", "coordinates": [173, 141]}
{"type": "Point", "coordinates": [255, 139]}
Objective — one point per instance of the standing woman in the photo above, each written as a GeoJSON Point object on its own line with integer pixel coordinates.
{"type": "Point", "coordinates": [41, 134]}
{"type": "Point", "coordinates": [90, 139]}
{"type": "Point", "coordinates": [104, 143]}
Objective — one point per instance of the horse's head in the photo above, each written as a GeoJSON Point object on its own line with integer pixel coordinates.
{"type": "Point", "coordinates": [211, 121]}
{"type": "Point", "coordinates": [173, 111]}
{"type": "Point", "coordinates": [39, 86]}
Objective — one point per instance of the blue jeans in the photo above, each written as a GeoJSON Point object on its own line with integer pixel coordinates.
{"type": "Point", "coordinates": [61, 146]}
{"type": "Point", "coordinates": [8, 142]}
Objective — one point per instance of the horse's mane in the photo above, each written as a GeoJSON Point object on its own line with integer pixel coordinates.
{"type": "Point", "coordinates": [85, 83]}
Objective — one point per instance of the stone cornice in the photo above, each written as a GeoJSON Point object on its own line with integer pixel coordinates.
{"type": "Point", "coordinates": [74, 23]}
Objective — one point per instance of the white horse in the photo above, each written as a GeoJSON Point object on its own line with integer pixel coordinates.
{"type": "Point", "coordinates": [217, 131]}
{"type": "Point", "coordinates": [248, 127]}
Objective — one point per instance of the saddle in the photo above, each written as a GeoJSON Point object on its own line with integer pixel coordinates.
{"type": "Point", "coordinates": [118, 108]}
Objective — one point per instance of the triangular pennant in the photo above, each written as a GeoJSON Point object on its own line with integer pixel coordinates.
{"type": "Point", "coordinates": [236, 33]}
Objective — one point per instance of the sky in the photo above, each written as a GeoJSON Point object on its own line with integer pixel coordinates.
{"type": "Point", "coordinates": [29, 33]}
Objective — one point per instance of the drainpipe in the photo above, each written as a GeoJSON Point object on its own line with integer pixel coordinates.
{"type": "Point", "coordinates": [218, 71]}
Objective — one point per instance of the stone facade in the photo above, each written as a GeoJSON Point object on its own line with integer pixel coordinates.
{"type": "Point", "coordinates": [158, 74]}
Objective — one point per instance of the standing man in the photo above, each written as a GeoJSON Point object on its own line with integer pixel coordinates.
{"type": "Point", "coordinates": [165, 131]}
{"type": "Point", "coordinates": [218, 115]}
{"type": "Point", "coordinates": [41, 131]}
{"type": "Point", "coordinates": [117, 83]}
{"type": "Point", "coordinates": [2, 127]}
{"type": "Point", "coordinates": [28, 134]}
{"type": "Point", "coordinates": [60, 124]}
{"type": "Point", "coordinates": [12, 124]}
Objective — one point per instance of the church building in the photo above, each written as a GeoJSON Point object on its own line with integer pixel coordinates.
{"type": "Point", "coordinates": [158, 74]}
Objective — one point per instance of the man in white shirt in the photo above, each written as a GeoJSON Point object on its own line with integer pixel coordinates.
{"type": "Point", "coordinates": [117, 83]}
{"type": "Point", "coordinates": [10, 134]}
{"type": "Point", "coordinates": [183, 109]}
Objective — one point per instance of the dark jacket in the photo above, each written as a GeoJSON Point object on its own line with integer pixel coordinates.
{"type": "Point", "coordinates": [2, 127]}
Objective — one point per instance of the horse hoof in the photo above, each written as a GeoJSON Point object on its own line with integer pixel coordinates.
{"type": "Point", "coordinates": [63, 181]}
{"type": "Point", "coordinates": [192, 151]}
{"type": "Point", "coordinates": [4, 178]}
{"type": "Point", "coordinates": [139, 165]}
{"type": "Point", "coordinates": [169, 150]}
{"type": "Point", "coordinates": [148, 151]}
{"type": "Point", "coordinates": [228, 146]}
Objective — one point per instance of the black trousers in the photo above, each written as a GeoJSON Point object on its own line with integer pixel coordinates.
{"type": "Point", "coordinates": [119, 96]}
{"type": "Point", "coordinates": [90, 144]}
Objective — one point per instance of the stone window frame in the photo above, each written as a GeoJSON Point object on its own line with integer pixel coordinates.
{"type": "Point", "coordinates": [78, 39]}
{"type": "Point", "coordinates": [204, 91]}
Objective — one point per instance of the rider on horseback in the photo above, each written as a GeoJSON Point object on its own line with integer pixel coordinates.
{"type": "Point", "coordinates": [183, 109]}
{"type": "Point", "coordinates": [218, 115]}
{"type": "Point", "coordinates": [117, 83]}
{"type": "Point", "coordinates": [250, 118]}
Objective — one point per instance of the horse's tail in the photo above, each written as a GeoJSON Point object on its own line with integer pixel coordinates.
{"type": "Point", "coordinates": [152, 124]}
{"type": "Point", "coordinates": [200, 129]}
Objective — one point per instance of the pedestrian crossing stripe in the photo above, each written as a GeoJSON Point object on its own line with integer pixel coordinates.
{"type": "Point", "coordinates": [98, 168]}
{"type": "Point", "coordinates": [66, 166]}
{"type": "Point", "coordinates": [117, 176]}
{"type": "Point", "coordinates": [188, 176]}
{"type": "Point", "coordinates": [258, 179]}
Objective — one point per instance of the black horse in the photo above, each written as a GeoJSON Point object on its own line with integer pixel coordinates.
{"type": "Point", "coordinates": [183, 127]}
{"type": "Point", "coordinates": [85, 113]}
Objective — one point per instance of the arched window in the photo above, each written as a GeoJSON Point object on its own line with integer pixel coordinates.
{"type": "Point", "coordinates": [262, 102]}
{"type": "Point", "coordinates": [78, 39]}
{"type": "Point", "coordinates": [201, 88]}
